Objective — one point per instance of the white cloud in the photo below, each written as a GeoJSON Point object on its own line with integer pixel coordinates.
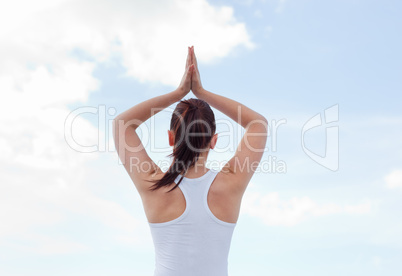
{"type": "Point", "coordinates": [150, 37]}
{"type": "Point", "coordinates": [394, 179]}
{"type": "Point", "coordinates": [47, 245]}
{"type": "Point", "coordinates": [42, 178]}
{"type": "Point", "coordinates": [274, 211]}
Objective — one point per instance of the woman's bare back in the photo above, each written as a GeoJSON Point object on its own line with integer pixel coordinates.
{"type": "Point", "coordinates": [224, 203]}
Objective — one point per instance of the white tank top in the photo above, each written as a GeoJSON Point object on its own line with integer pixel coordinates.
{"type": "Point", "coordinates": [196, 243]}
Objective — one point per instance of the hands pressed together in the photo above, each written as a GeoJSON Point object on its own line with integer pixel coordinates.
{"type": "Point", "coordinates": [191, 79]}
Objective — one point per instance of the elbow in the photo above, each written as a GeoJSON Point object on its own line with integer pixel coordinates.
{"type": "Point", "coordinates": [259, 124]}
{"type": "Point", "coordinates": [120, 122]}
{"type": "Point", "coordinates": [264, 120]}
{"type": "Point", "coordinates": [262, 123]}
{"type": "Point", "coordinates": [118, 119]}
{"type": "Point", "coordinates": [118, 116]}
{"type": "Point", "coordinates": [114, 125]}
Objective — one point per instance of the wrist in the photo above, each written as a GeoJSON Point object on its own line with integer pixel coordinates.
{"type": "Point", "coordinates": [179, 93]}
{"type": "Point", "coordinates": [197, 89]}
{"type": "Point", "coordinates": [199, 92]}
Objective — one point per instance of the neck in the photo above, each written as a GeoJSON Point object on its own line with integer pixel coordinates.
{"type": "Point", "coordinates": [199, 168]}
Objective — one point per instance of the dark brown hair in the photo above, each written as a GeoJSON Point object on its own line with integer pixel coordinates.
{"type": "Point", "coordinates": [193, 125]}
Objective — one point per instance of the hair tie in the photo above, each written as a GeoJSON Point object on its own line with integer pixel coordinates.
{"type": "Point", "coordinates": [193, 106]}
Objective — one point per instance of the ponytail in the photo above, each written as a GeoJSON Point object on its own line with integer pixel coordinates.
{"type": "Point", "coordinates": [193, 125]}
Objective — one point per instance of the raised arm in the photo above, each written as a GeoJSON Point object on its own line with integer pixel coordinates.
{"type": "Point", "coordinates": [241, 167]}
{"type": "Point", "coordinates": [129, 146]}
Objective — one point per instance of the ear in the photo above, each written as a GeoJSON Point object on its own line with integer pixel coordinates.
{"type": "Point", "coordinates": [214, 140]}
{"type": "Point", "coordinates": [171, 138]}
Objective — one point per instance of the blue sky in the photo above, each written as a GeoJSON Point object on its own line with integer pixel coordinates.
{"type": "Point", "coordinates": [68, 212]}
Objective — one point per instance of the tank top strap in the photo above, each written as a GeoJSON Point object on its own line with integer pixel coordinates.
{"type": "Point", "coordinates": [208, 182]}
{"type": "Point", "coordinates": [195, 191]}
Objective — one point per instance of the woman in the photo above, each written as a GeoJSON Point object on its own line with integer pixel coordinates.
{"type": "Point", "coordinates": [191, 210]}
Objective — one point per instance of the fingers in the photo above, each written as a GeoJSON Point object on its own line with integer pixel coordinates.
{"type": "Point", "coordinates": [193, 57]}
{"type": "Point", "coordinates": [191, 63]}
{"type": "Point", "coordinates": [188, 60]}
{"type": "Point", "coordinates": [189, 71]}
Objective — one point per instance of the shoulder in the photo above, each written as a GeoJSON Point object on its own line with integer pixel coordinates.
{"type": "Point", "coordinates": [225, 182]}
{"type": "Point", "coordinates": [148, 181]}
